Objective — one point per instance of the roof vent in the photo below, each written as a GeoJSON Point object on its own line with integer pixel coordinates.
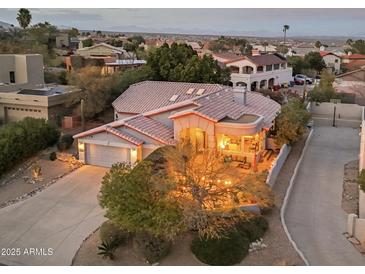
{"type": "Point", "coordinates": [190, 91]}
{"type": "Point", "coordinates": [200, 91]}
{"type": "Point", "coordinates": [174, 97]}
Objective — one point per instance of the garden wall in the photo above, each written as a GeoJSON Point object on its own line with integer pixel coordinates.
{"type": "Point", "coordinates": [277, 165]}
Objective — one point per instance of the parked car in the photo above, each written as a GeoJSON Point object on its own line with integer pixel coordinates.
{"type": "Point", "coordinates": [300, 78]}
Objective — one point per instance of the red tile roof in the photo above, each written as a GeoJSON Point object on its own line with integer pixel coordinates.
{"type": "Point", "coordinates": [222, 105]}
{"type": "Point", "coordinates": [353, 65]}
{"type": "Point", "coordinates": [354, 56]}
{"type": "Point", "coordinates": [123, 135]}
{"type": "Point", "coordinates": [152, 128]}
{"type": "Point", "coordinates": [150, 95]}
{"type": "Point", "coordinates": [324, 53]}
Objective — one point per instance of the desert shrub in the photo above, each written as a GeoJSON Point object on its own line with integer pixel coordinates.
{"type": "Point", "coordinates": [20, 140]}
{"type": "Point", "coordinates": [65, 142]}
{"type": "Point", "coordinates": [53, 156]}
{"type": "Point", "coordinates": [229, 250]}
{"type": "Point", "coordinates": [150, 247]}
{"type": "Point", "coordinates": [253, 229]}
{"type": "Point", "coordinates": [110, 233]}
{"type": "Point", "coordinates": [107, 249]}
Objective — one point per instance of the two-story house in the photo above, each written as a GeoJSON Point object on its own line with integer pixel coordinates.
{"type": "Point", "coordinates": [258, 71]}
{"type": "Point", "coordinates": [152, 114]}
{"type": "Point", "coordinates": [332, 61]}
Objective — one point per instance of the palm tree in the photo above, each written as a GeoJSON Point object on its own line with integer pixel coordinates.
{"type": "Point", "coordinates": [285, 29]}
{"type": "Point", "coordinates": [24, 17]}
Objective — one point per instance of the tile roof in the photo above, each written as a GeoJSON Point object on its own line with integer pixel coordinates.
{"type": "Point", "coordinates": [123, 135]}
{"type": "Point", "coordinates": [266, 59]}
{"type": "Point", "coordinates": [356, 64]}
{"type": "Point", "coordinates": [325, 53]}
{"type": "Point", "coordinates": [354, 56]}
{"type": "Point", "coordinates": [152, 128]}
{"type": "Point", "coordinates": [222, 105]}
{"type": "Point", "coordinates": [150, 95]}
{"type": "Point", "coordinates": [229, 56]}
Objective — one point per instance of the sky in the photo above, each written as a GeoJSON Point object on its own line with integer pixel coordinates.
{"type": "Point", "coordinates": [245, 22]}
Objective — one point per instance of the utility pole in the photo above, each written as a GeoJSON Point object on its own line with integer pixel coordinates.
{"type": "Point", "coordinates": [82, 106]}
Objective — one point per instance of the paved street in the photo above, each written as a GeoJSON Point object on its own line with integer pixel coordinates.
{"type": "Point", "coordinates": [58, 220]}
{"type": "Point", "coordinates": [314, 215]}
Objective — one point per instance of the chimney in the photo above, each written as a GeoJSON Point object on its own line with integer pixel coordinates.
{"type": "Point", "coordinates": [240, 95]}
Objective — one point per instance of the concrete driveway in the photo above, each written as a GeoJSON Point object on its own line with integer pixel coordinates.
{"type": "Point", "coordinates": [48, 228]}
{"type": "Point", "coordinates": [314, 215]}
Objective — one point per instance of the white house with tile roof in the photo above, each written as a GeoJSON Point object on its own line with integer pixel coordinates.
{"type": "Point", "coordinates": [257, 71]}
{"type": "Point", "coordinates": [154, 114]}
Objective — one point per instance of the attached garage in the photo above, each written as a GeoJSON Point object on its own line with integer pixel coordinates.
{"type": "Point", "coordinates": [106, 156]}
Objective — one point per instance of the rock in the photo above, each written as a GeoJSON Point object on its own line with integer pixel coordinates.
{"type": "Point", "coordinates": [354, 241]}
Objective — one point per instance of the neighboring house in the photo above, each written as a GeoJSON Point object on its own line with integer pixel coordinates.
{"type": "Point", "coordinates": [21, 71]}
{"type": "Point", "coordinates": [352, 57]}
{"type": "Point", "coordinates": [264, 49]}
{"type": "Point", "coordinates": [352, 83]}
{"type": "Point", "coordinates": [257, 72]}
{"type": "Point", "coordinates": [353, 65]}
{"type": "Point", "coordinates": [332, 61]}
{"type": "Point", "coordinates": [47, 103]}
{"type": "Point", "coordinates": [101, 50]}
{"type": "Point", "coordinates": [112, 66]}
{"type": "Point", "coordinates": [194, 45]}
{"type": "Point", "coordinates": [62, 41]}
{"type": "Point", "coordinates": [154, 114]}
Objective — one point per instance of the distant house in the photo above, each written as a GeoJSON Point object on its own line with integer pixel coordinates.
{"type": "Point", "coordinates": [153, 114]}
{"type": "Point", "coordinates": [256, 72]}
{"type": "Point", "coordinates": [194, 45]}
{"type": "Point", "coordinates": [352, 57]}
{"type": "Point", "coordinates": [111, 59]}
{"type": "Point", "coordinates": [62, 41]}
{"type": "Point", "coordinates": [101, 50]}
{"type": "Point", "coordinates": [19, 71]}
{"type": "Point", "coordinates": [352, 83]}
{"type": "Point", "coordinates": [332, 61]}
{"type": "Point", "coordinates": [47, 103]}
{"type": "Point", "coordinates": [23, 92]}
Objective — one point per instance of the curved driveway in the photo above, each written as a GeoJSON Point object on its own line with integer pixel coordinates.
{"type": "Point", "coordinates": [314, 215]}
{"type": "Point", "coordinates": [48, 229]}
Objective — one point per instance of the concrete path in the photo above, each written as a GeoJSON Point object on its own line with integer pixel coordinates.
{"type": "Point", "coordinates": [48, 228]}
{"type": "Point", "coordinates": [314, 215]}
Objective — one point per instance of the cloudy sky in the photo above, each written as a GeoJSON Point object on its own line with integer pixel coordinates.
{"type": "Point", "coordinates": [254, 22]}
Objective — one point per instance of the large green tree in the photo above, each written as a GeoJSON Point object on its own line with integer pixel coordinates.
{"type": "Point", "coordinates": [291, 123]}
{"type": "Point", "coordinates": [358, 46]}
{"type": "Point", "coordinates": [24, 18]}
{"type": "Point", "coordinates": [95, 89]}
{"type": "Point", "coordinates": [314, 61]}
{"type": "Point", "coordinates": [138, 201]}
{"type": "Point", "coordinates": [324, 92]}
{"type": "Point", "coordinates": [181, 63]}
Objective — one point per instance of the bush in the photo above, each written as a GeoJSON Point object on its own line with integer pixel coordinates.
{"type": "Point", "coordinates": [253, 229]}
{"type": "Point", "coordinates": [65, 142]}
{"type": "Point", "coordinates": [110, 233]}
{"type": "Point", "coordinates": [151, 248]}
{"type": "Point", "coordinates": [20, 140]}
{"type": "Point", "coordinates": [53, 156]}
{"type": "Point", "coordinates": [229, 250]}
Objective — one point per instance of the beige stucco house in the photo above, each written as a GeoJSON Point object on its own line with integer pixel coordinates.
{"type": "Point", "coordinates": [23, 92]}
{"type": "Point", "coordinates": [153, 114]}
{"type": "Point", "coordinates": [21, 71]}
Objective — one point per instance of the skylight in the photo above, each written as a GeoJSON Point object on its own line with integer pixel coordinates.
{"type": "Point", "coordinates": [174, 97]}
{"type": "Point", "coordinates": [190, 91]}
{"type": "Point", "coordinates": [200, 91]}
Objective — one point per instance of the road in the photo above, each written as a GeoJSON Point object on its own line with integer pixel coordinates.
{"type": "Point", "coordinates": [314, 215]}
{"type": "Point", "coordinates": [48, 229]}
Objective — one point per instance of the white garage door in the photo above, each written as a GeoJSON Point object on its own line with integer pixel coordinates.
{"type": "Point", "coordinates": [106, 156]}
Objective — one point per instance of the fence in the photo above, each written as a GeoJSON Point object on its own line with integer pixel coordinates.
{"type": "Point", "coordinates": [277, 165]}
